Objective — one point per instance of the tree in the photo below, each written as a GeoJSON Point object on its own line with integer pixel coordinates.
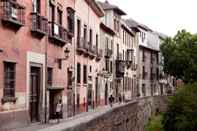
{"type": "Point", "coordinates": [181, 114]}
{"type": "Point", "coordinates": [180, 56]}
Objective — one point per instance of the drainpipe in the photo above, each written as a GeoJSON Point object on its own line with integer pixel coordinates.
{"type": "Point", "coordinates": [46, 59]}
{"type": "Point", "coordinates": [75, 86]}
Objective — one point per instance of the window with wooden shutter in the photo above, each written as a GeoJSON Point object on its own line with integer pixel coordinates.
{"type": "Point", "coordinates": [9, 79]}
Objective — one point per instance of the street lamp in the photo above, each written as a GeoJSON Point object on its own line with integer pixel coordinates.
{"type": "Point", "coordinates": [66, 55]}
{"type": "Point", "coordinates": [1, 50]}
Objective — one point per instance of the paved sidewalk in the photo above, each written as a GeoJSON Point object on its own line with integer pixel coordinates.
{"type": "Point", "coordinates": [69, 122]}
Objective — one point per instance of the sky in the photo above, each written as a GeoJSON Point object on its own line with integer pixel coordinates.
{"type": "Point", "coordinates": [165, 16]}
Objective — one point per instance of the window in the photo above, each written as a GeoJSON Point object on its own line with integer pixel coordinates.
{"type": "Point", "coordinates": [78, 30]}
{"type": "Point", "coordinates": [123, 36]}
{"type": "Point", "coordinates": [111, 67]}
{"type": "Point", "coordinates": [112, 43]}
{"type": "Point", "coordinates": [117, 49]}
{"type": "Point", "coordinates": [157, 74]}
{"type": "Point", "coordinates": [78, 102]}
{"type": "Point", "coordinates": [69, 83]}
{"type": "Point", "coordinates": [97, 92]}
{"type": "Point", "coordinates": [85, 74]}
{"type": "Point", "coordinates": [151, 73]}
{"type": "Point", "coordinates": [107, 65]}
{"type": "Point", "coordinates": [143, 55]}
{"type": "Point", "coordinates": [51, 13]}
{"type": "Point", "coordinates": [90, 40]}
{"type": "Point", "coordinates": [115, 24]}
{"type": "Point", "coordinates": [118, 26]}
{"type": "Point", "coordinates": [90, 68]}
{"type": "Point", "coordinates": [9, 79]}
{"type": "Point", "coordinates": [59, 61]}
{"type": "Point", "coordinates": [36, 6]}
{"type": "Point", "coordinates": [107, 42]}
{"type": "Point", "coordinates": [143, 72]}
{"type": "Point", "coordinates": [50, 76]}
{"type": "Point", "coordinates": [85, 32]}
{"type": "Point", "coordinates": [97, 42]}
{"type": "Point", "coordinates": [157, 57]}
{"type": "Point", "coordinates": [59, 16]}
{"type": "Point", "coordinates": [143, 35]}
{"type": "Point", "coordinates": [123, 55]}
{"type": "Point", "coordinates": [143, 89]}
{"type": "Point", "coordinates": [71, 19]}
{"type": "Point", "coordinates": [78, 73]}
{"type": "Point", "coordinates": [151, 58]}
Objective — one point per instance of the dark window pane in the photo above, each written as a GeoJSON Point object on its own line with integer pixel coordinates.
{"type": "Point", "coordinates": [9, 79]}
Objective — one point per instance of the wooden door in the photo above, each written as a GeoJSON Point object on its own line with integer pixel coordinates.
{"type": "Point", "coordinates": [106, 94]}
{"type": "Point", "coordinates": [34, 94]}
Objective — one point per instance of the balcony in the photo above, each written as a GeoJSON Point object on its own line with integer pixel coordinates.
{"type": "Point", "coordinates": [39, 24]}
{"type": "Point", "coordinates": [99, 55]}
{"type": "Point", "coordinates": [80, 45]}
{"type": "Point", "coordinates": [108, 53]}
{"type": "Point", "coordinates": [57, 34]}
{"type": "Point", "coordinates": [120, 68]}
{"type": "Point", "coordinates": [119, 57]}
{"type": "Point", "coordinates": [12, 14]}
{"type": "Point", "coordinates": [86, 47]}
{"type": "Point", "coordinates": [92, 51]}
{"type": "Point", "coordinates": [129, 57]}
{"type": "Point", "coordinates": [153, 77]}
{"type": "Point", "coordinates": [134, 67]}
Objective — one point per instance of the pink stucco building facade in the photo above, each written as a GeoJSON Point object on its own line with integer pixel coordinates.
{"type": "Point", "coordinates": [33, 59]}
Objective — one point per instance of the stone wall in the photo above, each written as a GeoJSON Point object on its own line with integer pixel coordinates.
{"type": "Point", "coordinates": [130, 117]}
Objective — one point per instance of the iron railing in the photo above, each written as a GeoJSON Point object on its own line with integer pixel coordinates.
{"type": "Point", "coordinates": [39, 23]}
{"type": "Point", "coordinates": [12, 12]}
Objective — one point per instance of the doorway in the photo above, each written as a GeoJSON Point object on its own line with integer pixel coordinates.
{"type": "Point", "coordinates": [106, 94]}
{"type": "Point", "coordinates": [70, 103]}
{"type": "Point", "coordinates": [34, 102]}
{"type": "Point", "coordinates": [54, 97]}
{"type": "Point", "coordinates": [90, 98]}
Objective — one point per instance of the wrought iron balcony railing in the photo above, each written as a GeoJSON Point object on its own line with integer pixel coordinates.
{"type": "Point", "coordinates": [12, 13]}
{"type": "Point", "coordinates": [39, 24]}
{"type": "Point", "coordinates": [108, 53]}
{"type": "Point", "coordinates": [99, 54]}
{"type": "Point", "coordinates": [120, 68]}
{"type": "Point", "coordinates": [80, 45]}
{"type": "Point", "coordinates": [57, 33]}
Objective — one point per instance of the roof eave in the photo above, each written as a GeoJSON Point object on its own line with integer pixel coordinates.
{"type": "Point", "coordinates": [96, 8]}
{"type": "Point", "coordinates": [107, 29]}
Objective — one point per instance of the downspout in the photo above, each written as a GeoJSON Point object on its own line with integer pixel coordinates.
{"type": "Point", "coordinates": [75, 86]}
{"type": "Point", "coordinates": [46, 59]}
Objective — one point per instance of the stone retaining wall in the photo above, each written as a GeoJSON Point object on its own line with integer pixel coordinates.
{"type": "Point", "coordinates": [130, 117]}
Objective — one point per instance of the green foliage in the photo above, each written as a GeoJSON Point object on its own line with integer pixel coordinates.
{"type": "Point", "coordinates": [155, 124]}
{"type": "Point", "coordinates": [182, 111]}
{"type": "Point", "coordinates": [180, 56]}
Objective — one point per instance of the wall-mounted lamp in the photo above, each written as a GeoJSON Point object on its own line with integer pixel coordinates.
{"type": "Point", "coordinates": [66, 55]}
{"type": "Point", "coordinates": [1, 50]}
{"type": "Point", "coordinates": [66, 52]}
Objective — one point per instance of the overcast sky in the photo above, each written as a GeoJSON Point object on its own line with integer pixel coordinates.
{"type": "Point", "coordinates": [165, 16]}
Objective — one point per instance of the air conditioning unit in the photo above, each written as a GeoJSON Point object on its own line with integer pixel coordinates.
{"type": "Point", "coordinates": [14, 13]}
{"type": "Point", "coordinates": [56, 29]}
